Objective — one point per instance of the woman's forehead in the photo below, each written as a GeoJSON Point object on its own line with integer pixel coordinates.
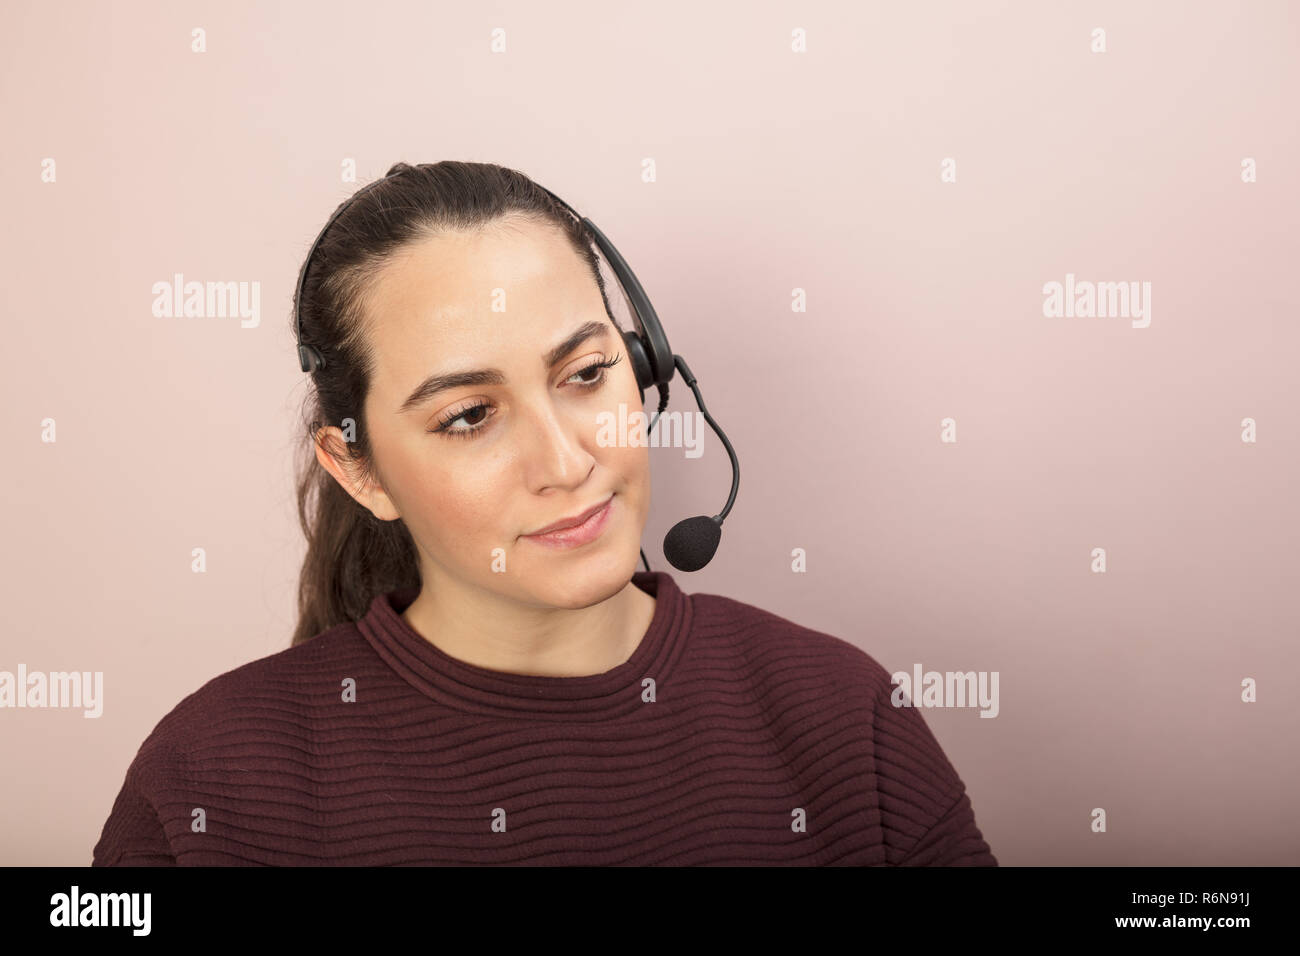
{"type": "Point", "coordinates": [481, 273]}
{"type": "Point", "coordinates": [507, 316]}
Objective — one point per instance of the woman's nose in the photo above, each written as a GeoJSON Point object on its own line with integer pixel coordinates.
{"type": "Point", "coordinates": [557, 454]}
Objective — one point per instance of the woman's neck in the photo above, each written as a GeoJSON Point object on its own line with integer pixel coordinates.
{"type": "Point", "coordinates": [487, 630]}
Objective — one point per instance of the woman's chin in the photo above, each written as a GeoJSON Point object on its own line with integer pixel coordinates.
{"type": "Point", "coordinates": [581, 581]}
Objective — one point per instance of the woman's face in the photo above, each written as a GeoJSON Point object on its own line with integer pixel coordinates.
{"type": "Point", "coordinates": [478, 465]}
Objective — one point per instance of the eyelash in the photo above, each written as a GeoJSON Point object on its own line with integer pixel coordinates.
{"type": "Point", "coordinates": [444, 425]}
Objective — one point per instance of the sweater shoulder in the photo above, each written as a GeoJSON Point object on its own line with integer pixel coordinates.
{"type": "Point", "coordinates": [771, 641]}
{"type": "Point", "coordinates": [810, 682]}
{"type": "Point", "coordinates": [822, 694]}
{"type": "Point", "coordinates": [253, 695]}
{"type": "Point", "coordinates": [260, 706]}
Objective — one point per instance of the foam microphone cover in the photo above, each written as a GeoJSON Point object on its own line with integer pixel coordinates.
{"type": "Point", "coordinates": [691, 543]}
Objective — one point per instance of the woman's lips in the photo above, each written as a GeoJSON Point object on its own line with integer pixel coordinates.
{"type": "Point", "coordinates": [580, 534]}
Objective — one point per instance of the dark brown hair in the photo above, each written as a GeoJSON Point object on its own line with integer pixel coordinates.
{"type": "Point", "coordinates": [352, 556]}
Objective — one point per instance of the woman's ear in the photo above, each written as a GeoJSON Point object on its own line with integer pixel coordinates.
{"type": "Point", "coordinates": [331, 452]}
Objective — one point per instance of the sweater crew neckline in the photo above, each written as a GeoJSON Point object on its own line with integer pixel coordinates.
{"type": "Point", "coordinates": [468, 687]}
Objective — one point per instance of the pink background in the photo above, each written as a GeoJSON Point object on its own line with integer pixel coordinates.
{"type": "Point", "coordinates": [776, 170]}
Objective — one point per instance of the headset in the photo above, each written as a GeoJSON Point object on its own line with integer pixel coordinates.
{"type": "Point", "coordinates": [691, 543]}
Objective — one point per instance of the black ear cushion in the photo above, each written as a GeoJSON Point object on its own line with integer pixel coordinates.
{"type": "Point", "coordinates": [636, 351]}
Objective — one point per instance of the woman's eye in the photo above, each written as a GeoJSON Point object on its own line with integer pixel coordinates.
{"type": "Point", "coordinates": [470, 415]}
{"type": "Point", "coordinates": [597, 367]}
{"type": "Point", "coordinates": [598, 370]}
{"type": "Point", "coordinates": [474, 423]}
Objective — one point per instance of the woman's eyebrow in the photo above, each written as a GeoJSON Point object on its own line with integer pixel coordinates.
{"type": "Point", "coordinates": [491, 376]}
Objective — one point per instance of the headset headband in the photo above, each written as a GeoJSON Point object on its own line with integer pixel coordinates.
{"type": "Point", "coordinates": [652, 358]}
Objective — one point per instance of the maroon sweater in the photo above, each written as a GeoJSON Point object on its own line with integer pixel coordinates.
{"type": "Point", "coordinates": [764, 743]}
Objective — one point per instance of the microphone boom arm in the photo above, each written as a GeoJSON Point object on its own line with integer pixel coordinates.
{"type": "Point", "coordinates": [689, 378]}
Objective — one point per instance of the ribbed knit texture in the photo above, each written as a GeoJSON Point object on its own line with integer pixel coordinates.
{"type": "Point", "coordinates": [765, 743]}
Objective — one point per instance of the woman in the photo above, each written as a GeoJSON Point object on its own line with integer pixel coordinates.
{"type": "Point", "coordinates": [467, 685]}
